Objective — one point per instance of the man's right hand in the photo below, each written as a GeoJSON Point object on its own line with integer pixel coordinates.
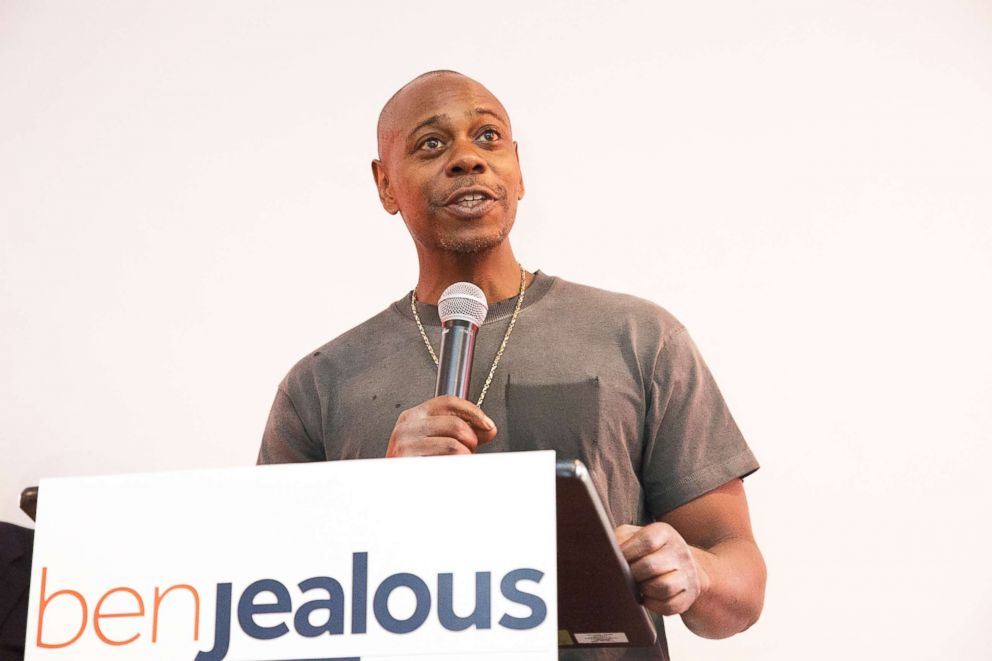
{"type": "Point", "coordinates": [443, 425]}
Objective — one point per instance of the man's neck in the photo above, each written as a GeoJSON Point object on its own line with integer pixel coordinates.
{"type": "Point", "coordinates": [494, 271]}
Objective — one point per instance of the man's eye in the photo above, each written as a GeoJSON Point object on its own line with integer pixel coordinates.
{"type": "Point", "coordinates": [490, 135]}
{"type": "Point", "coordinates": [431, 144]}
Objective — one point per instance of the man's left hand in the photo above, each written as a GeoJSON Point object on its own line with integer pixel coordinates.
{"type": "Point", "coordinates": [663, 565]}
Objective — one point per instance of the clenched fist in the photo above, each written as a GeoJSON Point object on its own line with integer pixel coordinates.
{"type": "Point", "coordinates": [663, 566]}
{"type": "Point", "coordinates": [442, 425]}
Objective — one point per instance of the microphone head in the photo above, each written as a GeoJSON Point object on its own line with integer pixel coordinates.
{"type": "Point", "coordinates": [464, 301]}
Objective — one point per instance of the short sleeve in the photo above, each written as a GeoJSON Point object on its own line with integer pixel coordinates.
{"type": "Point", "coordinates": [692, 444]}
{"type": "Point", "coordinates": [286, 439]}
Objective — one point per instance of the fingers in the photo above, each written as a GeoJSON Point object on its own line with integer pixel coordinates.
{"type": "Point", "coordinates": [655, 564]}
{"type": "Point", "coordinates": [462, 408]}
{"type": "Point", "coordinates": [663, 588]}
{"type": "Point", "coordinates": [442, 425]}
{"type": "Point", "coordinates": [625, 532]}
{"type": "Point", "coordinates": [662, 565]}
{"type": "Point", "coordinates": [672, 593]}
{"type": "Point", "coordinates": [646, 540]}
{"type": "Point", "coordinates": [675, 605]}
{"type": "Point", "coordinates": [448, 426]}
{"type": "Point", "coordinates": [436, 446]}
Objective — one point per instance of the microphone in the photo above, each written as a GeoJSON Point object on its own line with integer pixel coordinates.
{"type": "Point", "coordinates": [462, 308]}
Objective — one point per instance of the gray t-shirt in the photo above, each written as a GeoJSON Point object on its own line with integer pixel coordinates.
{"type": "Point", "coordinates": [606, 378]}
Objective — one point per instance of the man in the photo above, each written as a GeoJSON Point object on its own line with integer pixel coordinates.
{"type": "Point", "coordinates": [609, 379]}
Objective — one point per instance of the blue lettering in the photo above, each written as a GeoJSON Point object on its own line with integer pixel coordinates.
{"type": "Point", "coordinates": [222, 626]}
{"type": "Point", "coordinates": [334, 605]}
{"type": "Point", "coordinates": [481, 617]}
{"type": "Point", "coordinates": [538, 609]}
{"type": "Point", "coordinates": [380, 603]}
{"type": "Point", "coordinates": [359, 591]}
{"type": "Point", "coordinates": [248, 609]}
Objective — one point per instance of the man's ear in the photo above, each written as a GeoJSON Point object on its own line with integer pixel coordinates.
{"type": "Point", "coordinates": [516, 154]}
{"type": "Point", "coordinates": [382, 185]}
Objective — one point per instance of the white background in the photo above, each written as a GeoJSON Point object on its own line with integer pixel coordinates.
{"type": "Point", "coordinates": [187, 208]}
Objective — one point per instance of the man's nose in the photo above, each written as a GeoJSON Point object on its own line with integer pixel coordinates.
{"type": "Point", "coordinates": [465, 160]}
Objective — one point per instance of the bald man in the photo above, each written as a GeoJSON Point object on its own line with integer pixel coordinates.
{"type": "Point", "coordinates": [609, 379]}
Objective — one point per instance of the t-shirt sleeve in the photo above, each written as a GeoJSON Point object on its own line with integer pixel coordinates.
{"type": "Point", "coordinates": [693, 444]}
{"type": "Point", "coordinates": [286, 438]}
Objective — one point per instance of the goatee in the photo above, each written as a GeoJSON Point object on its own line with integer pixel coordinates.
{"type": "Point", "coordinates": [471, 245]}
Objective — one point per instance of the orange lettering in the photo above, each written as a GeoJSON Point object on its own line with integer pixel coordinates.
{"type": "Point", "coordinates": [196, 609]}
{"type": "Point", "coordinates": [97, 615]}
{"type": "Point", "coordinates": [44, 604]}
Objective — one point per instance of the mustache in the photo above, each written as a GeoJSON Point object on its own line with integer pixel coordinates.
{"type": "Point", "coordinates": [438, 199]}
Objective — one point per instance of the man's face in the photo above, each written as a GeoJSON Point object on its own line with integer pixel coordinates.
{"type": "Point", "coordinates": [449, 165]}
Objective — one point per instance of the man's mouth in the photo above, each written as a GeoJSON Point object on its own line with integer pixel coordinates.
{"type": "Point", "coordinates": [471, 200]}
{"type": "Point", "coordinates": [470, 203]}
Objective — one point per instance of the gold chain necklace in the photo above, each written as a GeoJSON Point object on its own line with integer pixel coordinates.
{"type": "Point", "coordinates": [502, 346]}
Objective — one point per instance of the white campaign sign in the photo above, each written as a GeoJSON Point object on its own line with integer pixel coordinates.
{"type": "Point", "coordinates": [386, 559]}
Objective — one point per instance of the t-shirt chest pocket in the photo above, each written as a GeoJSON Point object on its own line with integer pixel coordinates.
{"type": "Point", "coordinates": [558, 416]}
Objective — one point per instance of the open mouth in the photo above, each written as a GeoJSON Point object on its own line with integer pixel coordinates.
{"type": "Point", "coordinates": [471, 203]}
{"type": "Point", "coordinates": [470, 200]}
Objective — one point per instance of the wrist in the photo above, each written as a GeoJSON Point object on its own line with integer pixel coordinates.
{"type": "Point", "coordinates": [731, 591]}
{"type": "Point", "coordinates": [702, 559]}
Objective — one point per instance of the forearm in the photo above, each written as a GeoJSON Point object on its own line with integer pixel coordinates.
{"type": "Point", "coordinates": [733, 589]}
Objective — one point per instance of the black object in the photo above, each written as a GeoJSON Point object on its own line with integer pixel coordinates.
{"type": "Point", "coordinates": [29, 502]}
{"type": "Point", "coordinates": [16, 544]}
{"type": "Point", "coordinates": [598, 602]}
{"type": "Point", "coordinates": [454, 366]}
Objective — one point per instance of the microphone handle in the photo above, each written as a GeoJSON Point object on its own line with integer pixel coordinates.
{"type": "Point", "coordinates": [454, 366]}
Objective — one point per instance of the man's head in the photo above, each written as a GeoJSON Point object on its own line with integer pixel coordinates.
{"type": "Point", "coordinates": [448, 163]}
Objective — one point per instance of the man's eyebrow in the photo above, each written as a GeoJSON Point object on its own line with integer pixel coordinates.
{"type": "Point", "coordinates": [434, 120]}
{"type": "Point", "coordinates": [487, 111]}
{"type": "Point", "coordinates": [430, 121]}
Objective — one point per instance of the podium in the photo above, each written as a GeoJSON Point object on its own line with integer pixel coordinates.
{"type": "Point", "coordinates": [597, 614]}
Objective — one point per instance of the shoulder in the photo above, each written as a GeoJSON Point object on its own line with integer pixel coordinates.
{"type": "Point", "coordinates": [346, 352]}
{"type": "Point", "coordinates": [635, 316]}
